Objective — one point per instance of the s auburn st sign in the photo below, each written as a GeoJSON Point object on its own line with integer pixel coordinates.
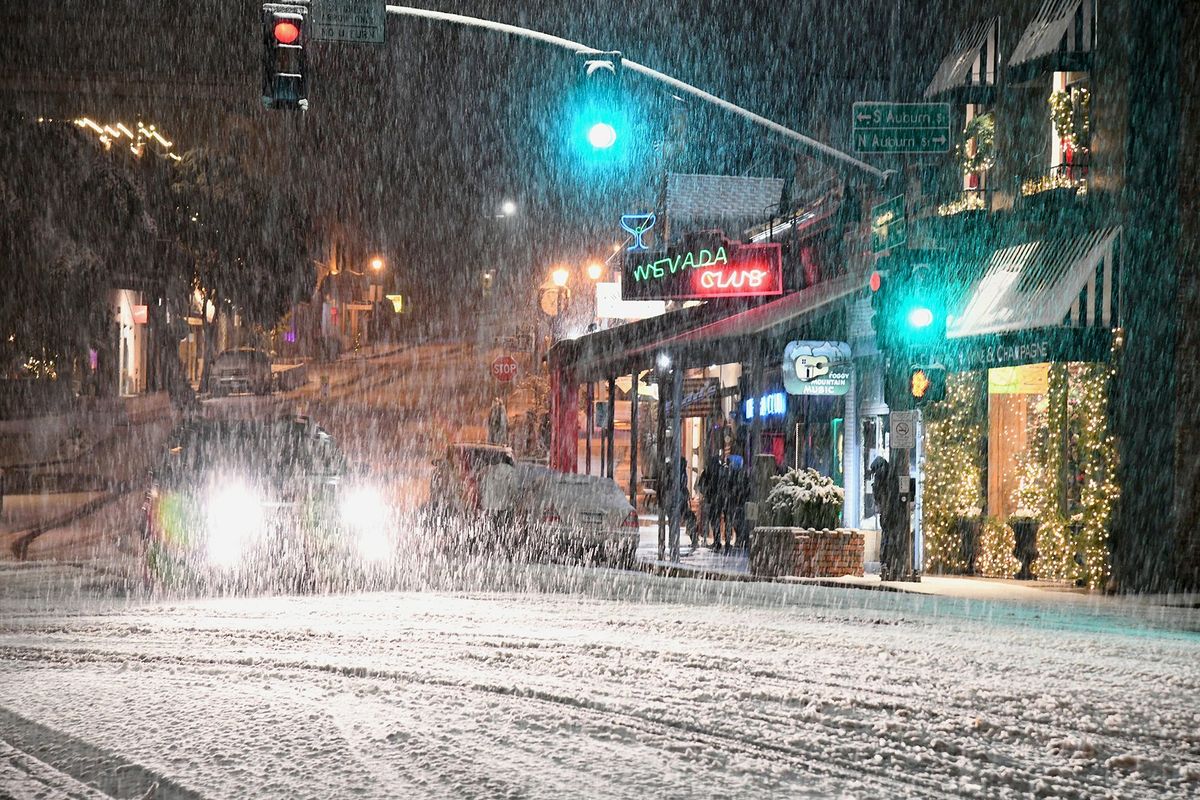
{"type": "Point", "coordinates": [702, 268]}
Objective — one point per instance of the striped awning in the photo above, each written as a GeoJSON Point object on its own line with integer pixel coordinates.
{"type": "Point", "coordinates": [1063, 31]}
{"type": "Point", "coordinates": [970, 66]}
{"type": "Point", "coordinates": [1069, 282]}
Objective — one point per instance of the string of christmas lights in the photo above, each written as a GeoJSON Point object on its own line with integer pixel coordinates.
{"type": "Point", "coordinates": [1068, 430]}
{"type": "Point", "coordinates": [953, 467]}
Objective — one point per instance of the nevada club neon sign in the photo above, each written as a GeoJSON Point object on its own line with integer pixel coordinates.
{"type": "Point", "coordinates": [727, 269]}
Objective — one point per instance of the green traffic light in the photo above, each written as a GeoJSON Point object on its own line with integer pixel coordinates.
{"type": "Point", "coordinates": [602, 136]}
{"type": "Point", "coordinates": [920, 317]}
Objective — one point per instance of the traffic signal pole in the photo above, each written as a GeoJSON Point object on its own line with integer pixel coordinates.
{"type": "Point", "coordinates": [805, 142]}
{"type": "Point", "coordinates": [897, 562]}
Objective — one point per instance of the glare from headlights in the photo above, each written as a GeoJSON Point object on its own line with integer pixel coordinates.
{"type": "Point", "coordinates": [366, 515]}
{"type": "Point", "coordinates": [235, 516]}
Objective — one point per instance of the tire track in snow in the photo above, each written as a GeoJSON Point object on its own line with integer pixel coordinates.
{"type": "Point", "coordinates": [721, 740]}
{"type": "Point", "coordinates": [840, 728]}
{"type": "Point", "coordinates": [91, 766]}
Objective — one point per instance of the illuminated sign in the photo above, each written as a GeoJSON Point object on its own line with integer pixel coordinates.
{"type": "Point", "coordinates": [704, 270]}
{"type": "Point", "coordinates": [769, 405]}
{"type": "Point", "coordinates": [637, 225]}
{"type": "Point", "coordinates": [817, 368]}
{"type": "Point", "coordinates": [609, 304]}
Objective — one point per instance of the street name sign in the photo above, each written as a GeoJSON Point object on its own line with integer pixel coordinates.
{"type": "Point", "coordinates": [889, 228]}
{"type": "Point", "coordinates": [901, 127]}
{"type": "Point", "coordinates": [357, 21]}
{"type": "Point", "coordinates": [904, 429]}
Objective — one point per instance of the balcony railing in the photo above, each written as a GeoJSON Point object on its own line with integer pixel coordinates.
{"type": "Point", "coordinates": [1072, 176]}
{"type": "Point", "coordinates": [967, 200]}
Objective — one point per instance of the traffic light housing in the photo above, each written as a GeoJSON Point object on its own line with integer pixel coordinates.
{"type": "Point", "coordinates": [909, 307]}
{"type": "Point", "coordinates": [600, 125]}
{"type": "Point", "coordinates": [926, 383]}
{"type": "Point", "coordinates": [285, 62]}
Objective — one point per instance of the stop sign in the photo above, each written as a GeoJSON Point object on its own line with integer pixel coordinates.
{"type": "Point", "coordinates": [504, 368]}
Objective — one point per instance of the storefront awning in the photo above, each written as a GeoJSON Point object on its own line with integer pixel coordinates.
{"type": "Point", "coordinates": [711, 333]}
{"type": "Point", "coordinates": [1069, 282]}
{"type": "Point", "coordinates": [1063, 34]}
{"type": "Point", "coordinates": [969, 71]}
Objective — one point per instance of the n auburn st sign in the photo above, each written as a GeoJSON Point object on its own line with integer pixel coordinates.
{"type": "Point", "coordinates": [701, 269]}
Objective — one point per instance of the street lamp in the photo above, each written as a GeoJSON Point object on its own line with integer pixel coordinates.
{"type": "Point", "coordinates": [594, 270]}
{"type": "Point", "coordinates": [508, 208]}
{"type": "Point", "coordinates": [560, 276]}
{"type": "Point", "coordinates": [377, 263]}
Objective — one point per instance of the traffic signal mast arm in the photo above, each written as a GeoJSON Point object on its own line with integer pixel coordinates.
{"type": "Point", "coordinates": [557, 41]}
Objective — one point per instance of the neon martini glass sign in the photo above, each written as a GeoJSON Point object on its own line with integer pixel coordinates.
{"type": "Point", "coordinates": [637, 225]}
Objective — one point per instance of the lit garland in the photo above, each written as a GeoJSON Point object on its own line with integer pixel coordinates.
{"type": "Point", "coordinates": [1097, 452]}
{"type": "Point", "coordinates": [970, 201]}
{"type": "Point", "coordinates": [1041, 480]}
{"type": "Point", "coordinates": [1075, 549]}
{"type": "Point", "coordinates": [1046, 183]}
{"type": "Point", "coordinates": [1073, 413]}
{"type": "Point", "coordinates": [953, 471]}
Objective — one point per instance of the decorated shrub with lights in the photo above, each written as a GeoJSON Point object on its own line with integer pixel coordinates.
{"type": "Point", "coordinates": [804, 498]}
{"type": "Point", "coordinates": [953, 467]}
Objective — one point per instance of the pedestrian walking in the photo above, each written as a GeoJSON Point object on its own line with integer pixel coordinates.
{"type": "Point", "coordinates": [497, 423]}
{"type": "Point", "coordinates": [712, 506]}
{"type": "Point", "coordinates": [737, 493]}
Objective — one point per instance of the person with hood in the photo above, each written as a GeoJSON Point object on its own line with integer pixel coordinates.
{"type": "Point", "coordinates": [497, 423]}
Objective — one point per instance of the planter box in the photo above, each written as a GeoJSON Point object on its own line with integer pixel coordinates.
{"type": "Point", "coordinates": [806, 552]}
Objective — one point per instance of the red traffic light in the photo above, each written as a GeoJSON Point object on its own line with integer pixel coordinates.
{"type": "Point", "coordinates": [286, 31]}
{"type": "Point", "coordinates": [875, 281]}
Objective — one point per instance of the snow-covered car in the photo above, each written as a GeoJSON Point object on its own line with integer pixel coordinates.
{"type": "Point", "coordinates": [454, 489]}
{"type": "Point", "coordinates": [249, 504]}
{"type": "Point", "coordinates": [242, 369]}
{"type": "Point", "coordinates": [558, 516]}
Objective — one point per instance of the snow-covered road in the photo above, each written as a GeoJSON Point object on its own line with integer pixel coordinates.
{"type": "Point", "coordinates": [627, 686]}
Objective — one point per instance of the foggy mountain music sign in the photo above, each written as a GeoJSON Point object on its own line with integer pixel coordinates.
{"type": "Point", "coordinates": [703, 268]}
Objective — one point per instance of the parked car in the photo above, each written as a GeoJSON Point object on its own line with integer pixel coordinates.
{"type": "Point", "coordinates": [482, 501]}
{"type": "Point", "coordinates": [454, 489]}
{"type": "Point", "coordinates": [246, 504]}
{"type": "Point", "coordinates": [568, 517]}
{"type": "Point", "coordinates": [242, 369]}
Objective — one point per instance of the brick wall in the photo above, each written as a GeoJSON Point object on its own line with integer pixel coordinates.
{"type": "Point", "coordinates": [806, 553]}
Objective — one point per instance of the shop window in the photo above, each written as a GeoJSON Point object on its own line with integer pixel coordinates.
{"type": "Point", "coordinates": [974, 158]}
{"type": "Point", "coordinates": [1069, 129]}
{"type": "Point", "coordinates": [1017, 399]}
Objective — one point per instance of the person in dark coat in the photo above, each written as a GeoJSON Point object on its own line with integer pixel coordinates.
{"type": "Point", "coordinates": [687, 517]}
{"type": "Point", "coordinates": [884, 486]}
{"type": "Point", "coordinates": [709, 487]}
{"type": "Point", "coordinates": [737, 493]}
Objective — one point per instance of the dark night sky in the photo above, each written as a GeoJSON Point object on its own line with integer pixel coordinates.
{"type": "Point", "coordinates": [415, 143]}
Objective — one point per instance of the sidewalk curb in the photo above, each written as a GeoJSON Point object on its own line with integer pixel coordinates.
{"type": "Point", "coordinates": [20, 545]}
{"type": "Point", "coordinates": [681, 571]}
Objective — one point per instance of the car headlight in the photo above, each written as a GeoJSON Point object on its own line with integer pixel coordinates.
{"type": "Point", "coordinates": [235, 516]}
{"type": "Point", "coordinates": [365, 513]}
